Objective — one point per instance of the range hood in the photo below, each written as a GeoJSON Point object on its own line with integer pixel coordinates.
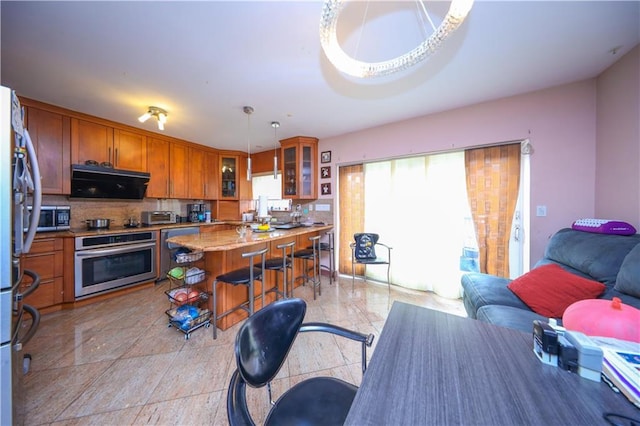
{"type": "Point", "coordinates": [104, 182]}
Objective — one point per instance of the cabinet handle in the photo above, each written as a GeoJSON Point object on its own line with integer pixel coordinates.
{"type": "Point", "coordinates": [109, 157]}
{"type": "Point", "coordinates": [116, 158]}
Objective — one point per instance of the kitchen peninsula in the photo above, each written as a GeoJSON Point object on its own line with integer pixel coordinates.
{"type": "Point", "coordinates": [223, 252]}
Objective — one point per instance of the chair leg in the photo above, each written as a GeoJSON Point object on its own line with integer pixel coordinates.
{"type": "Point", "coordinates": [388, 279]}
{"type": "Point", "coordinates": [331, 266]}
{"type": "Point", "coordinates": [353, 275]}
{"type": "Point", "coordinates": [317, 275]}
{"type": "Point", "coordinates": [313, 281]}
{"type": "Point", "coordinates": [215, 311]}
{"type": "Point", "coordinates": [250, 296]}
{"type": "Point", "coordinates": [292, 279]}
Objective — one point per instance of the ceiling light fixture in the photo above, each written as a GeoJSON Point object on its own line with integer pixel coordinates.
{"type": "Point", "coordinates": [458, 11]}
{"type": "Point", "coordinates": [248, 110]}
{"type": "Point", "coordinates": [159, 113]}
{"type": "Point", "coordinates": [275, 125]}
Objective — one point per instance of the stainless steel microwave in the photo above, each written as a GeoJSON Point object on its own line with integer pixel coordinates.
{"type": "Point", "coordinates": [53, 218]}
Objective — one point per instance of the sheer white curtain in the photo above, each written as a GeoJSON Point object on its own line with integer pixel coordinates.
{"type": "Point", "coordinates": [418, 206]}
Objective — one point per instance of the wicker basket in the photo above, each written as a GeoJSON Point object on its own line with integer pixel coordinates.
{"type": "Point", "coordinates": [189, 257]}
{"type": "Point", "coordinates": [193, 276]}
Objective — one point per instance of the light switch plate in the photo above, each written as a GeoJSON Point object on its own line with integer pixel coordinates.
{"type": "Point", "coordinates": [541, 210]}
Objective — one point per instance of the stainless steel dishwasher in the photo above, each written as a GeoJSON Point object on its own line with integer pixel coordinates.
{"type": "Point", "coordinates": [166, 248]}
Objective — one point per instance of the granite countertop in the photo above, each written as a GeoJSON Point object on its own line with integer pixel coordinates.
{"type": "Point", "coordinates": [229, 239]}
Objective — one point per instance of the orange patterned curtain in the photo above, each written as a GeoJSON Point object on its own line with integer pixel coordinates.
{"type": "Point", "coordinates": [493, 180]}
{"type": "Point", "coordinates": [351, 195]}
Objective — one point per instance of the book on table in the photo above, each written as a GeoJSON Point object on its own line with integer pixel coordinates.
{"type": "Point", "coordinates": [621, 366]}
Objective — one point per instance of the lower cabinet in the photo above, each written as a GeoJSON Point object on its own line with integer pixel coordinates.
{"type": "Point", "coordinates": [46, 258]}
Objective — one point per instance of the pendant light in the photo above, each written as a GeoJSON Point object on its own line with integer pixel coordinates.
{"type": "Point", "coordinates": [275, 125]}
{"type": "Point", "coordinates": [248, 110]}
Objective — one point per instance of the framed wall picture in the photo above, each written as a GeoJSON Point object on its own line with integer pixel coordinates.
{"type": "Point", "coordinates": [325, 188]}
{"type": "Point", "coordinates": [325, 157]}
{"type": "Point", "coordinates": [325, 172]}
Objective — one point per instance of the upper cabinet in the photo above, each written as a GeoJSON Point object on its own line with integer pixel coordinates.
{"type": "Point", "coordinates": [228, 177]}
{"type": "Point", "coordinates": [104, 144]}
{"type": "Point", "coordinates": [158, 159]}
{"type": "Point", "coordinates": [299, 168]}
{"type": "Point", "coordinates": [179, 170]}
{"type": "Point", "coordinates": [197, 173]}
{"type": "Point", "coordinates": [129, 150]}
{"type": "Point", "coordinates": [49, 133]}
{"type": "Point", "coordinates": [211, 175]}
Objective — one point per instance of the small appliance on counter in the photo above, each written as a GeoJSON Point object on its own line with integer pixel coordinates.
{"type": "Point", "coordinates": [157, 217]}
{"type": "Point", "coordinates": [196, 212]}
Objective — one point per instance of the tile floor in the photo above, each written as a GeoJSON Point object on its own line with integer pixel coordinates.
{"type": "Point", "coordinates": [117, 363]}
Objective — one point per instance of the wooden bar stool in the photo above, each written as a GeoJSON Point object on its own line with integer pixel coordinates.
{"type": "Point", "coordinates": [242, 276]}
{"type": "Point", "coordinates": [311, 254]}
{"type": "Point", "coordinates": [281, 264]}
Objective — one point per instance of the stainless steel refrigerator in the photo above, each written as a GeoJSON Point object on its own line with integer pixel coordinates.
{"type": "Point", "coordinates": [18, 166]}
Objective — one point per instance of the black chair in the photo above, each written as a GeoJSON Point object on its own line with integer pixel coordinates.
{"type": "Point", "coordinates": [261, 348]}
{"type": "Point", "coordinates": [282, 264]}
{"type": "Point", "coordinates": [312, 255]}
{"type": "Point", "coordinates": [242, 276]}
{"type": "Point", "coordinates": [363, 252]}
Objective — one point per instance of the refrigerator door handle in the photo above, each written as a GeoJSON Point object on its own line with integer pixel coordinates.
{"type": "Point", "coordinates": [37, 193]}
{"type": "Point", "coordinates": [26, 177]}
{"type": "Point", "coordinates": [35, 282]}
{"type": "Point", "coordinates": [35, 322]}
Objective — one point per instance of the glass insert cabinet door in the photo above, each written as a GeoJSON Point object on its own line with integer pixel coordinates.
{"type": "Point", "coordinates": [228, 170]}
{"type": "Point", "coordinates": [290, 175]}
{"type": "Point", "coordinates": [299, 169]}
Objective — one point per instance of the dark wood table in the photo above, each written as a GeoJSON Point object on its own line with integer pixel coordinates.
{"type": "Point", "coordinates": [433, 368]}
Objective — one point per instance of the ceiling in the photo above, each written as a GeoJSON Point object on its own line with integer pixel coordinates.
{"type": "Point", "coordinates": [203, 61]}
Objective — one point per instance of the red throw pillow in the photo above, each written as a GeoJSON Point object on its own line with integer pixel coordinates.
{"type": "Point", "coordinates": [548, 290]}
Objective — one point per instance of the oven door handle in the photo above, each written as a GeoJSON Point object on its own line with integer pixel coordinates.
{"type": "Point", "coordinates": [115, 250]}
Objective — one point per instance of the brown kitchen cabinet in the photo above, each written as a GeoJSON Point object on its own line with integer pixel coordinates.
{"type": "Point", "coordinates": [130, 150]}
{"type": "Point", "coordinates": [50, 134]}
{"type": "Point", "coordinates": [229, 177]}
{"type": "Point", "coordinates": [104, 144]}
{"type": "Point", "coordinates": [46, 259]}
{"type": "Point", "coordinates": [245, 187]}
{"type": "Point", "coordinates": [178, 170]}
{"type": "Point", "coordinates": [158, 160]}
{"type": "Point", "coordinates": [299, 168]}
{"type": "Point", "coordinates": [196, 172]}
{"type": "Point", "coordinates": [211, 175]}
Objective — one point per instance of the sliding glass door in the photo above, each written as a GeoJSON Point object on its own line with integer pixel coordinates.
{"type": "Point", "coordinates": [421, 207]}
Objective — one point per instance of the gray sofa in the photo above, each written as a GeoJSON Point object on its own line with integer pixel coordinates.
{"type": "Point", "coordinates": [613, 260]}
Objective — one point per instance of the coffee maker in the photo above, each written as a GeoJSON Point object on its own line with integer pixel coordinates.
{"type": "Point", "coordinates": [195, 212]}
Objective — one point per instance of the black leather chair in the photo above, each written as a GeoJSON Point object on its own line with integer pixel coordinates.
{"type": "Point", "coordinates": [242, 276]}
{"type": "Point", "coordinates": [363, 252]}
{"type": "Point", "coordinates": [261, 348]}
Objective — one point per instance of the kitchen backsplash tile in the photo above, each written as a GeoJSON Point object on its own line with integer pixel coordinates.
{"type": "Point", "coordinates": [119, 211]}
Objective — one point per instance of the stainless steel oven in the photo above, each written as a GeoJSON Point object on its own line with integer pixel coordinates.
{"type": "Point", "coordinates": [107, 262]}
